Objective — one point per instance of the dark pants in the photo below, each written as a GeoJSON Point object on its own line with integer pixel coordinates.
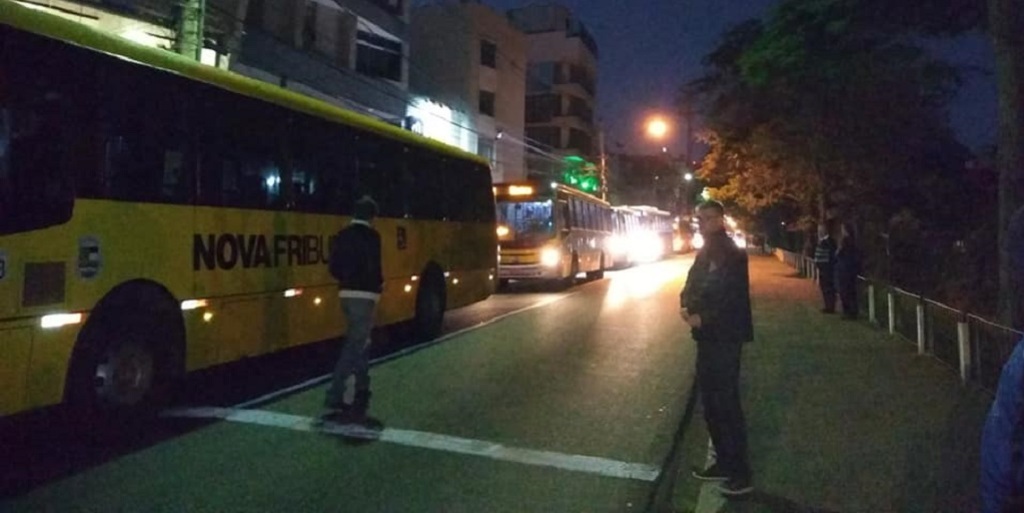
{"type": "Point", "coordinates": [718, 377]}
{"type": "Point", "coordinates": [827, 282]}
{"type": "Point", "coordinates": [848, 294]}
{"type": "Point", "coordinates": [353, 359]}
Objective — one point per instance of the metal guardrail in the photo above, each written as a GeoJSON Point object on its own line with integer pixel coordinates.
{"type": "Point", "coordinates": [977, 348]}
{"type": "Point", "coordinates": [991, 345]}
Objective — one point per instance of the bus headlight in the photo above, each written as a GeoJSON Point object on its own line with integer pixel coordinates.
{"type": "Point", "coordinates": [502, 230]}
{"type": "Point", "coordinates": [550, 257]}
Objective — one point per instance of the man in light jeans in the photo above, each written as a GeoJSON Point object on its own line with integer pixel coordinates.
{"type": "Point", "coordinates": [356, 263]}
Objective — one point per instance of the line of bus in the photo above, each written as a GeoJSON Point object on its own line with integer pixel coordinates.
{"type": "Point", "coordinates": [551, 232]}
{"type": "Point", "coordinates": [158, 216]}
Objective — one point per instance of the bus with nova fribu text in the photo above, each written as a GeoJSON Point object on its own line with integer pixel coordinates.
{"type": "Point", "coordinates": [159, 216]}
{"type": "Point", "coordinates": [551, 232]}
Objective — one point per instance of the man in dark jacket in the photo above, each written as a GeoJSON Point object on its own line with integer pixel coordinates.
{"type": "Point", "coordinates": [825, 259]}
{"type": "Point", "coordinates": [716, 304]}
{"type": "Point", "coordinates": [355, 262]}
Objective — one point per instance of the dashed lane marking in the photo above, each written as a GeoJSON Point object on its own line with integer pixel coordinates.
{"type": "Point", "coordinates": [482, 448]}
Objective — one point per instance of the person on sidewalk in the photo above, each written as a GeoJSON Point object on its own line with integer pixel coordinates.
{"type": "Point", "coordinates": [355, 261]}
{"type": "Point", "coordinates": [1002, 439]}
{"type": "Point", "coordinates": [715, 302]}
{"type": "Point", "coordinates": [825, 259]}
{"type": "Point", "coordinates": [847, 270]}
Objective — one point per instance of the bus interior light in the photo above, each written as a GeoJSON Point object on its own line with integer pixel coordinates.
{"type": "Point", "coordinates": [502, 231]}
{"type": "Point", "coordinates": [408, 287]}
{"type": "Point", "coordinates": [192, 304]}
{"type": "Point", "coordinates": [317, 301]}
{"type": "Point", "coordinates": [58, 320]}
{"type": "Point", "coordinates": [207, 316]}
{"type": "Point", "coordinates": [520, 190]}
{"type": "Point", "coordinates": [292, 292]}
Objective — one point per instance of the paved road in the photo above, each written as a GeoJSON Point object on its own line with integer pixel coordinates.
{"type": "Point", "coordinates": [536, 401]}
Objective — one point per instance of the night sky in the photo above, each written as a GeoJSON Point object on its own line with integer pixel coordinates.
{"type": "Point", "coordinates": [649, 48]}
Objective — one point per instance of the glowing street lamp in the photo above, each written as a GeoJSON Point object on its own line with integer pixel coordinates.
{"type": "Point", "coordinates": [657, 128]}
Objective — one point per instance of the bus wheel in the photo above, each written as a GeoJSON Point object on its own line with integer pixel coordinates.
{"type": "Point", "coordinates": [598, 274]}
{"type": "Point", "coordinates": [430, 305]}
{"type": "Point", "coordinates": [574, 269]}
{"type": "Point", "coordinates": [122, 372]}
{"type": "Point", "coordinates": [503, 283]}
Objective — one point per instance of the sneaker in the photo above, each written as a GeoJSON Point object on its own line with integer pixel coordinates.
{"type": "Point", "coordinates": [712, 473]}
{"type": "Point", "coordinates": [736, 487]}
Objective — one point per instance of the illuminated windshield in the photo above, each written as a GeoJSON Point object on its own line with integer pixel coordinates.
{"type": "Point", "coordinates": [526, 220]}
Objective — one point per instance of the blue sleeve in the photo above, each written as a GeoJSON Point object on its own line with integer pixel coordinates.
{"type": "Point", "coordinates": [1001, 438]}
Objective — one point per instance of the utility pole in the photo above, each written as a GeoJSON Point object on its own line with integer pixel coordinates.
{"type": "Point", "coordinates": [604, 164]}
{"type": "Point", "coordinates": [189, 37]}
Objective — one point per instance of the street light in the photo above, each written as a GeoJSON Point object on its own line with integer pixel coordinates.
{"type": "Point", "coordinates": [688, 177]}
{"type": "Point", "coordinates": [657, 127]}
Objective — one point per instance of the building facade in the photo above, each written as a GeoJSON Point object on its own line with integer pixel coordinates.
{"type": "Point", "coordinates": [470, 58]}
{"type": "Point", "coordinates": [353, 53]}
{"type": "Point", "coordinates": [561, 92]}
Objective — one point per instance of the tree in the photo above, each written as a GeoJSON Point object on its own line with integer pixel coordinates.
{"type": "Point", "coordinates": [1003, 20]}
{"type": "Point", "coordinates": [819, 108]}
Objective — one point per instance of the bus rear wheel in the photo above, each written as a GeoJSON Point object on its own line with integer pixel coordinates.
{"type": "Point", "coordinates": [430, 306]}
{"type": "Point", "coordinates": [122, 372]}
{"type": "Point", "coordinates": [599, 273]}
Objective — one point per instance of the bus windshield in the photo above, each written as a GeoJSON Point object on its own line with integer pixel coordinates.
{"type": "Point", "coordinates": [527, 221]}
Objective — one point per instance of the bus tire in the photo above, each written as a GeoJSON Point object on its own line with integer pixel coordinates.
{"type": "Point", "coordinates": [574, 269]}
{"type": "Point", "coordinates": [599, 273]}
{"type": "Point", "coordinates": [126, 360]}
{"type": "Point", "coordinates": [503, 283]}
{"type": "Point", "coordinates": [431, 302]}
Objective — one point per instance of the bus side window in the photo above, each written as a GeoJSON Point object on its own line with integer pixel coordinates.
{"type": "Point", "coordinates": [426, 176]}
{"type": "Point", "coordinates": [380, 162]}
{"type": "Point", "coordinates": [146, 134]}
{"type": "Point", "coordinates": [241, 152]}
{"type": "Point", "coordinates": [565, 222]}
{"type": "Point", "coordinates": [473, 183]}
{"type": "Point", "coordinates": [325, 166]}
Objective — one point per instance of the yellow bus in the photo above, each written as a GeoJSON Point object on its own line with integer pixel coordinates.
{"type": "Point", "coordinates": [549, 231]}
{"type": "Point", "coordinates": [158, 216]}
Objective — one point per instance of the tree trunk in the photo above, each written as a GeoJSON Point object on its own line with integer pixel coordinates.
{"type": "Point", "coordinates": [1006, 28]}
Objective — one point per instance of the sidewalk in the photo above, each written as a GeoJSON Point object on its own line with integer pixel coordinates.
{"type": "Point", "coordinates": [841, 417]}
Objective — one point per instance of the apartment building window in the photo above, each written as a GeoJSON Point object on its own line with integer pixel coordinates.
{"type": "Point", "coordinates": [579, 140]}
{"type": "Point", "coordinates": [485, 148]}
{"type": "Point", "coordinates": [487, 103]}
{"type": "Point", "coordinates": [378, 56]}
{"type": "Point", "coordinates": [309, 27]}
{"type": "Point", "coordinates": [548, 136]}
{"type": "Point", "coordinates": [488, 54]}
{"type": "Point", "coordinates": [578, 107]}
{"type": "Point", "coordinates": [542, 108]}
{"type": "Point", "coordinates": [541, 76]}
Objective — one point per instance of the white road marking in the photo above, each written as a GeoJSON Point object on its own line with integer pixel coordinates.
{"type": "Point", "coordinates": [424, 440]}
{"type": "Point", "coordinates": [327, 377]}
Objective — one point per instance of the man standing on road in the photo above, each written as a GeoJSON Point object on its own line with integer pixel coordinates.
{"type": "Point", "coordinates": [716, 304]}
{"type": "Point", "coordinates": [355, 261]}
{"type": "Point", "coordinates": [825, 259]}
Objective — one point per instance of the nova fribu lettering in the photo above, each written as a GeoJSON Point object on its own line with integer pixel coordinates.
{"type": "Point", "coordinates": [228, 251]}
